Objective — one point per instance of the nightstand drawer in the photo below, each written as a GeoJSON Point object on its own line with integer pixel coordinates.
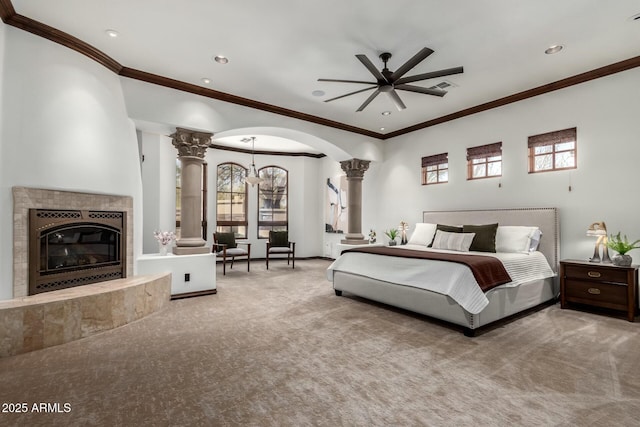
{"type": "Point", "coordinates": [595, 273]}
{"type": "Point", "coordinates": [596, 293]}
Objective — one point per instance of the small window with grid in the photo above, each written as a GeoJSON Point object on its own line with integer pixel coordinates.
{"type": "Point", "coordinates": [435, 169]}
{"type": "Point", "coordinates": [484, 161]}
{"type": "Point", "coordinates": [553, 151]}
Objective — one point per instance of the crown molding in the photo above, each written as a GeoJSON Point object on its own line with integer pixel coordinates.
{"type": "Point", "coordinates": [245, 102]}
{"type": "Point", "coordinates": [6, 10]}
{"type": "Point", "coordinates": [10, 17]}
{"type": "Point", "coordinates": [597, 73]}
{"type": "Point", "coordinates": [268, 153]}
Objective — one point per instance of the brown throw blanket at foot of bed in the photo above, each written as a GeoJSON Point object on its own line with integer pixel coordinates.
{"type": "Point", "coordinates": [488, 271]}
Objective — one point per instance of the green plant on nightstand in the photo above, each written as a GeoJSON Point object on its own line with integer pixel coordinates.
{"type": "Point", "coordinates": [622, 246]}
{"type": "Point", "coordinates": [392, 233]}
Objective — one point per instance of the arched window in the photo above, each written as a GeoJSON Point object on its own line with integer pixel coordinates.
{"type": "Point", "coordinates": [231, 199]}
{"type": "Point", "coordinates": [273, 213]}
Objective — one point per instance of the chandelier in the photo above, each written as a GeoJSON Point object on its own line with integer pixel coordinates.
{"type": "Point", "coordinates": [255, 179]}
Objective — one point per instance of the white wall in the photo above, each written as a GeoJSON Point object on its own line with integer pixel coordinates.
{"type": "Point", "coordinates": [305, 221]}
{"type": "Point", "coordinates": [65, 127]}
{"type": "Point", "coordinates": [158, 190]}
{"type": "Point", "coordinates": [604, 187]}
{"type": "Point", "coordinates": [6, 275]}
{"type": "Point", "coordinates": [64, 124]}
{"type": "Point", "coordinates": [305, 218]}
{"type": "Point", "coordinates": [370, 197]}
{"type": "Point", "coordinates": [160, 105]}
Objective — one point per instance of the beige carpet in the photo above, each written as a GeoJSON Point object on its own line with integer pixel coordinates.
{"type": "Point", "coordinates": [278, 348]}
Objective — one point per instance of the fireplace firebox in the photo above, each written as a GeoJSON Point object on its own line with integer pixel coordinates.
{"type": "Point", "coordinates": [70, 248]}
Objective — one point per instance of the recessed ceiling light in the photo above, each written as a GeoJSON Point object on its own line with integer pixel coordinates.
{"type": "Point", "coordinates": [206, 80]}
{"type": "Point", "coordinates": [111, 33]}
{"type": "Point", "coordinates": [554, 49]}
{"type": "Point", "coordinates": [317, 93]}
{"type": "Point", "coordinates": [386, 113]}
{"type": "Point", "coordinates": [382, 128]}
{"type": "Point", "coordinates": [221, 59]}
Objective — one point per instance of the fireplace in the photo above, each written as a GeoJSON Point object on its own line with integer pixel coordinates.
{"type": "Point", "coordinates": [70, 248]}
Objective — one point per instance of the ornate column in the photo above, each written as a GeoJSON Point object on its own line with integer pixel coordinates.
{"type": "Point", "coordinates": [355, 169]}
{"type": "Point", "coordinates": [191, 148]}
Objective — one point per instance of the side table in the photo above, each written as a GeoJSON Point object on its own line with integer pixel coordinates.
{"type": "Point", "coordinates": [599, 285]}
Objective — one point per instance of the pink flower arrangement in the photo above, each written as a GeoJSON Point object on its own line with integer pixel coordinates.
{"type": "Point", "coordinates": [164, 237]}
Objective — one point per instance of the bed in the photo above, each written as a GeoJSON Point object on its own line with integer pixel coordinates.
{"type": "Point", "coordinates": [383, 278]}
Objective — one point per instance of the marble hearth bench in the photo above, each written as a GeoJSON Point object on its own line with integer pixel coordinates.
{"type": "Point", "coordinates": [51, 318]}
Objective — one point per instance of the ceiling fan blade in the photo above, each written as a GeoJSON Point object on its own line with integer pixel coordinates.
{"type": "Point", "coordinates": [430, 75]}
{"type": "Point", "coordinates": [417, 58]}
{"type": "Point", "coordinates": [347, 81]}
{"type": "Point", "coordinates": [396, 100]}
{"type": "Point", "coordinates": [418, 89]}
{"type": "Point", "coordinates": [372, 68]}
{"type": "Point", "coordinates": [350, 93]}
{"type": "Point", "coordinates": [368, 101]}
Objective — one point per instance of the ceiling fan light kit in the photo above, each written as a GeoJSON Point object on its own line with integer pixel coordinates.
{"type": "Point", "coordinates": [390, 81]}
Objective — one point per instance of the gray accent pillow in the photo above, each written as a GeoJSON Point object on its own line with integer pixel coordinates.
{"type": "Point", "coordinates": [447, 228]}
{"type": "Point", "coordinates": [452, 241]}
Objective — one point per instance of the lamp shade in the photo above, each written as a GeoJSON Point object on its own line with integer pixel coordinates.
{"type": "Point", "coordinates": [597, 229]}
{"type": "Point", "coordinates": [253, 180]}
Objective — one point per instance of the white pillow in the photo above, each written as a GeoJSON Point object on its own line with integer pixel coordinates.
{"type": "Point", "coordinates": [423, 234]}
{"type": "Point", "coordinates": [534, 240]}
{"type": "Point", "coordinates": [517, 238]}
{"type": "Point", "coordinates": [453, 241]}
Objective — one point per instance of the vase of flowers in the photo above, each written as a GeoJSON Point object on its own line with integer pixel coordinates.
{"type": "Point", "coordinates": [622, 246]}
{"type": "Point", "coordinates": [164, 239]}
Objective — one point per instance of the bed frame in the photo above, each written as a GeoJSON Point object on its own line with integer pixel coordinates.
{"type": "Point", "coordinates": [503, 302]}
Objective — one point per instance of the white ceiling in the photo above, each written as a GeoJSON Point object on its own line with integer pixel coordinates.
{"type": "Point", "coordinates": [277, 49]}
{"type": "Point", "coordinates": [265, 143]}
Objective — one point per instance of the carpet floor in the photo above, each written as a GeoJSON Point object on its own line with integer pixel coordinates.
{"type": "Point", "coordinates": [277, 348]}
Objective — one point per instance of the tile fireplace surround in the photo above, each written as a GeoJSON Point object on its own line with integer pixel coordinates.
{"type": "Point", "coordinates": [56, 317]}
{"type": "Point", "coordinates": [34, 198]}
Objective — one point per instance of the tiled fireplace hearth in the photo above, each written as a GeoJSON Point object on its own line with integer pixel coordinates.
{"type": "Point", "coordinates": [33, 322]}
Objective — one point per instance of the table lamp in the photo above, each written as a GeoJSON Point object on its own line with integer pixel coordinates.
{"type": "Point", "coordinates": [599, 229]}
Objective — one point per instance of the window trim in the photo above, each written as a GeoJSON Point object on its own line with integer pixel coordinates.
{"type": "Point", "coordinates": [551, 139]}
{"type": "Point", "coordinates": [232, 223]}
{"type": "Point", "coordinates": [435, 160]}
{"type": "Point", "coordinates": [483, 152]}
{"type": "Point", "coordinates": [272, 223]}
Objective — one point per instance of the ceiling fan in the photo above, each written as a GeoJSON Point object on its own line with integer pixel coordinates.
{"type": "Point", "coordinates": [389, 81]}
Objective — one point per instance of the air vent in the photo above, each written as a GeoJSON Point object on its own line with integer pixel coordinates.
{"type": "Point", "coordinates": [445, 84]}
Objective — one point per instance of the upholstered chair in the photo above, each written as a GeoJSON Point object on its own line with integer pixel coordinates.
{"type": "Point", "coordinates": [225, 246]}
{"type": "Point", "coordinates": [279, 244]}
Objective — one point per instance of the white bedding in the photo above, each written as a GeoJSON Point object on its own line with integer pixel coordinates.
{"type": "Point", "coordinates": [448, 278]}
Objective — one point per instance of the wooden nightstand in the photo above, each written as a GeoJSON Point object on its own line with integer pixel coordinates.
{"type": "Point", "coordinates": [599, 285]}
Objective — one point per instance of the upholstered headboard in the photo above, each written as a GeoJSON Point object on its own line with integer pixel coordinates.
{"type": "Point", "coordinates": [545, 218]}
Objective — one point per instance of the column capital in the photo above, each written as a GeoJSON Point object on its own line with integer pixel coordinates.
{"type": "Point", "coordinates": [191, 143]}
{"type": "Point", "coordinates": [355, 168]}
